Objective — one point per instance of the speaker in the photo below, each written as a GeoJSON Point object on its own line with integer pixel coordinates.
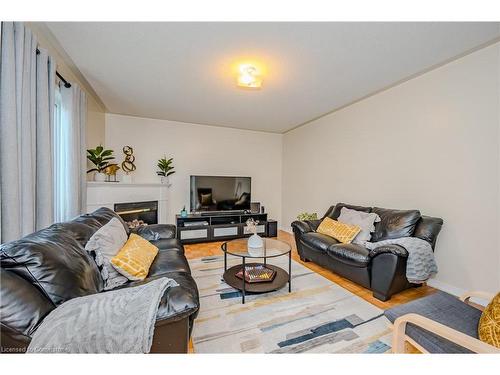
{"type": "Point", "coordinates": [262, 210]}
{"type": "Point", "coordinates": [255, 207]}
{"type": "Point", "coordinates": [272, 228]}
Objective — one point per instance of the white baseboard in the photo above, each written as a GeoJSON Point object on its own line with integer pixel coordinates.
{"type": "Point", "coordinates": [446, 287]}
{"type": "Point", "coordinates": [454, 290]}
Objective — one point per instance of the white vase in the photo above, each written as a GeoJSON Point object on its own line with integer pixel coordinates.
{"type": "Point", "coordinates": [99, 177]}
{"type": "Point", "coordinates": [164, 180]}
{"type": "Point", "coordinates": [255, 241]}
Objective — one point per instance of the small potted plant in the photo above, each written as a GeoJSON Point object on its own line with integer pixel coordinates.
{"type": "Point", "coordinates": [166, 169]}
{"type": "Point", "coordinates": [101, 159]}
{"type": "Point", "coordinates": [307, 216]}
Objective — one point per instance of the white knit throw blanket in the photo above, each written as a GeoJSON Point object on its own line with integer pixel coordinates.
{"type": "Point", "coordinates": [421, 264]}
{"type": "Point", "coordinates": [118, 321]}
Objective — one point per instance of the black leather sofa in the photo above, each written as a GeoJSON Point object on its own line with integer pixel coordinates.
{"type": "Point", "coordinates": [383, 269]}
{"type": "Point", "coordinates": [46, 268]}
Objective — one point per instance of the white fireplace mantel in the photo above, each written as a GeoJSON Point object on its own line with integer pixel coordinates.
{"type": "Point", "coordinates": [107, 194]}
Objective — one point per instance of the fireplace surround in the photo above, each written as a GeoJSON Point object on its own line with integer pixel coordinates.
{"type": "Point", "coordinates": [109, 194]}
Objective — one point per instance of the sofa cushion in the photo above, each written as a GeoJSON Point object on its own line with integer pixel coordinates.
{"type": "Point", "coordinates": [318, 241]}
{"type": "Point", "coordinates": [171, 243]}
{"type": "Point", "coordinates": [329, 212]}
{"type": "Point", "coordinates": [442, 308]}
{"type": "Point", "coordinates": [169, 260]}
{"type": "Point", "coordinates": [335, 213]}
{"type": "Point", "coordinates": [428, 228]}
{"type": "Point", "coordinates": [81, 228]}
{"type": "Point", "coordinates": [23, 306]}
{"type": "Point", "coordinates": [350, 254]}
{"type": "Point", "coordinates": [394, 223]}
{"type": "Point", "coordinates": [55, 262]}
{"type": "Point", "coordinates": [103, 215]}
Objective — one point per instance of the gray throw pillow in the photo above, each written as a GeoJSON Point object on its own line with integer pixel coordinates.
{"type": "Point", "coordinates": [104, 245]}
{"type": "Point", "coordinates": [366, 221]}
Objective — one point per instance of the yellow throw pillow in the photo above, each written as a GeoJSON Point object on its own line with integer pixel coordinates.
{"type": "Point", "coordinates": [135, 257]}
{"type": "Point", "coordinates": [342, 232]}
{"type": "Point", "coordinates": [489, 324]}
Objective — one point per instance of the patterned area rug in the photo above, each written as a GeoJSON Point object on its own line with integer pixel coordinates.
{"type": "Point", "coordinates": [318, 316]}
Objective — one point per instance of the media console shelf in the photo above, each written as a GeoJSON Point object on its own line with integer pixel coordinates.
{"type": "Point", "coordinates": [217, 227]}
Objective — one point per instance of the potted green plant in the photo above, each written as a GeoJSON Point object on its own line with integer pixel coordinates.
{"type": "Point", "coordinates": [307, 216]}
{"type": "Point", "coordinates": [100, 158]}
{"type": "Point", "coordinates": [166, 169]}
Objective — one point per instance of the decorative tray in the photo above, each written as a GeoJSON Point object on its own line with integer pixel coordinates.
{"type": "Point", "coordinates": [257, 274]}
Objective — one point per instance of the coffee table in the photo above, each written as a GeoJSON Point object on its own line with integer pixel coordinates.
{"type": "Point", "coordinates": [272, 248]}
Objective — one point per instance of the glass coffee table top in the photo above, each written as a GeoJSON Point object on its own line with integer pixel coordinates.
{"type": "Point", "coordinates": [271, 248]}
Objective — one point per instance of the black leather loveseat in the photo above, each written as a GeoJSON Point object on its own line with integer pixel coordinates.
{"type": "Point", "coordinates": [383, 269]}
{"type": "Point", "coordinates": [46, 268]}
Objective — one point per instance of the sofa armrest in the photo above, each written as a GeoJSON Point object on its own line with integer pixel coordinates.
{"type": "Point", "coordinates": [389, 249]}
{"type": "Point", "coordinates": [301, 227]}
{"type": "Point", "coordinates": [399, 336]}
{"type": "Point", "coordinates": [177, 303]}
{"type": "Point", "coordinates": [154, 232]}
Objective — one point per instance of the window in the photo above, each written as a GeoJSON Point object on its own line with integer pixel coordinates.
{"type": "Point", "coordinates": [69, 160]}
{"type": "Point", "coordinates": [61, 161]}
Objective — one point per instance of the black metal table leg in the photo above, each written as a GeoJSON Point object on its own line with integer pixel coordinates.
{"type": "Point", "coordinates": [225, 260]}
{"type": "Point", "coordinates": [290, 272]}
{"type": "Point", "coordinates": [243, 291]}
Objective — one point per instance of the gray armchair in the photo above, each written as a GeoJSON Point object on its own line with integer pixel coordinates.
{"type": "Point", "coordinates": [439, 323]}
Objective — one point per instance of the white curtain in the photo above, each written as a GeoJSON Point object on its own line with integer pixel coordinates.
{"type": "Point", "coordinates": [70, 154]}
{"type": "Point", "coordinates": [27, 86]}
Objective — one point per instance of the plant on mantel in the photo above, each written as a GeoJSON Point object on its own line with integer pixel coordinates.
{"type": "Point", "coordinates": [166, 169]}
{"type": "Point", "coordinates": [100, 158]}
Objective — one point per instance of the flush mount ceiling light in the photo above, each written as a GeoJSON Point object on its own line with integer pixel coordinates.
{"type": "Point", "coordinates": [249, 77]}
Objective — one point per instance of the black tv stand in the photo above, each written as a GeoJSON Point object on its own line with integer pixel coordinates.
{"type": "Point", "coordinates": [218, 213]}
{"type": "Point", "coordinates": [217, 226]}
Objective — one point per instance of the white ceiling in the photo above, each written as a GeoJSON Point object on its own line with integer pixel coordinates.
{"type": "Point", "coordinates": [182, 71]}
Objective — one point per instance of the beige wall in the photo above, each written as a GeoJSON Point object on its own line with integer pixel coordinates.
{"type": "Point", "coordinates": [431, 143]}
{"type": "Point", "coordinates": [200, 150]}
{"type": "Point", "coordinates": [95, 124]}
{"type": "Point", "coordinates": [95, 108]}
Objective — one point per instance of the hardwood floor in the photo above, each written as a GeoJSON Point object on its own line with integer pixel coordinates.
{"type": "Point", "coordinates": [214, 248]}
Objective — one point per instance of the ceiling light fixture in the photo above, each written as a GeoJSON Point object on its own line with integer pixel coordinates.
{"type": "Point", "coordinates": [249, 77]}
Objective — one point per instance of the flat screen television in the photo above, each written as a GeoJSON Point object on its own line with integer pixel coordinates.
{"type": "Point", "coordinates": [220, 193]}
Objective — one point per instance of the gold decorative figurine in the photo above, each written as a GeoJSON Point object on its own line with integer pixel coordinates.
{"type": "Point", "coordinates": [128, 165]}
{"type": "Point", "coordinates": [110, 172]}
